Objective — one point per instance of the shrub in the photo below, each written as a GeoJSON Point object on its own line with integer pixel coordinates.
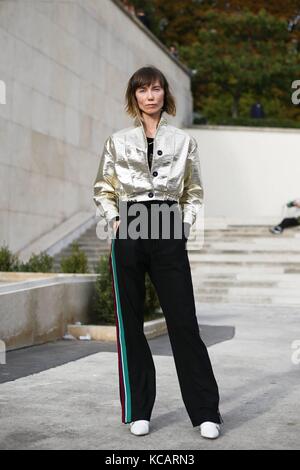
{"type": "Point", "coordinates": [41, 263]}
{"type": "Point", "coordinates": [8, 260]}
{"type": "Point", "coordinates": [75, 263]}
{"type": "Point", "coordinates": [103, 301]}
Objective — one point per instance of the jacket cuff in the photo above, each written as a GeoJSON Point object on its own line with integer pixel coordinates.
{"type": "Point", "coordinates": [188, 217]}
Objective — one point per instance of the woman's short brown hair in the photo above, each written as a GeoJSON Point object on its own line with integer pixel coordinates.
{"type": "Point", "coordinates": [146, 76]}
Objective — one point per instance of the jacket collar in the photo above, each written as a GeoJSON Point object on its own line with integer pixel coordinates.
{"type": "Point", "coordinates": [162, 122]}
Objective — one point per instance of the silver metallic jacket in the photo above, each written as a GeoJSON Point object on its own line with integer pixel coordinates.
{"type": "Point", "coordinates": [124, 173]}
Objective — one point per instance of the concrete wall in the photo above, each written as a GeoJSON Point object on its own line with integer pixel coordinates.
{"type": "Point", "coordinates": [248, 173]}
{"type": "Point", "coordinates": [38, 310]}
{"type": "Point", "coordinates": [65, 65]}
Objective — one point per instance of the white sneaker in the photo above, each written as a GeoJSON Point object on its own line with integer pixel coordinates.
{"type": "Point", "coordinates": [210, 430]}
{"type": "Point", "coordinates": [276, 230]}
{"type": "Point", "coordinates": [140, 427]}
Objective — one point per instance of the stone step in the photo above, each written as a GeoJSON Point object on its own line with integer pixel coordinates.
{"type": "Point", "coordinates": [223, 259]}
{"type": "Point", "coordinates": [244, 247]}
{"type": "Point", "coordinates": [222, 248]}
{"type": "Point", "coordinates": [211, 251]}
{"type": "Point", "coordinates": [233, 266]}
{"type": "Point", "coordinates": [88, 252]}
{"type": "Point", "coordinates": [231, 230]}
{"type": "Point", "coordinates": [286, 235]}
{"type": "Point", "coordinates": [248, 300]}
{"type": "Point", "coordinates": [250, 269]}
{"type": "Point", "coordinates": [236, 268]}
{"type": "Point", "coordinates": [232, 257]}
{"type": "Point", "coordinates": [245, 229]}
{"type": "Point", "coordinates": [226, 299]}
{"type": "Point", "coordinates": [254, 266]}
{"type": "Point", "coordinates": [235, 281]}
{"type": "Point", "coordinates": [249, 291]}
{"type": "Point", "coordinates": [245, 237]}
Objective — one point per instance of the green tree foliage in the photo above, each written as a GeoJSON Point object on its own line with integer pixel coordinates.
{"type": "Point", "coordinates": [179, 21]}
{"type": "Point", "coordinates": [239, 52]}
{"type": "Point", "coordinates": [103, 300]}
{"type": "Point", "coordinates": [240, 55]}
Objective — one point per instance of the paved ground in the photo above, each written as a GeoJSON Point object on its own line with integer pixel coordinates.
{"type": "Point", "coordinates": [27, 361]}
{"type": "Point", "coordinates": [64, 395]}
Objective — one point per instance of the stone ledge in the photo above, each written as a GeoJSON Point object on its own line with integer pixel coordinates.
{"type": "Point", "coordinates": [152, 329]}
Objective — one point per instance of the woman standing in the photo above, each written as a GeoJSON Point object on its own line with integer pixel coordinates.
{"type": "Point", "coordinates": [155, 166]}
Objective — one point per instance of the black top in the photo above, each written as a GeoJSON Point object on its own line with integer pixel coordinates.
{"type": "Point", "coordinates": [150, 150]}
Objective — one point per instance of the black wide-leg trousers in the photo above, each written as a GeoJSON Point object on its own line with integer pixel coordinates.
{"type": "Point", "coordinates": [167, 263]}
{"type": "Point", "coordinates": [289, 222]}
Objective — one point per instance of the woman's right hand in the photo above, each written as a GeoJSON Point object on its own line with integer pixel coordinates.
{"type": "Point", "coordinates": [116, 224]}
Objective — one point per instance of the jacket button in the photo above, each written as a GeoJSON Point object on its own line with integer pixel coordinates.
{"type": "Point", "coordinates": [159, 152]}
{"type": "Point", "coordinates": [150, 194]}
{"type": "Point", "coordinates": [154, 173]}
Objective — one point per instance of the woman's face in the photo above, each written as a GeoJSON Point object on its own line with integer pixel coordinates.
{"type": "Point", "coordinates": [150, 98]}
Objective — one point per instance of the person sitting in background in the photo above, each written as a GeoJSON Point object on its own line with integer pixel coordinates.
{"type": "Point", "coordinates": [141, 15]}
{"type": "Point", "coordinates": [173, 51]}
{"type": "Point", "coordinates": [257, 111]}
{"type": "Point", "coordinates": [288, 221]}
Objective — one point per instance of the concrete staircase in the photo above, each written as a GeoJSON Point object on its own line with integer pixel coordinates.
{"type": "Point", "coordinates": [90, 244]}
{"type": "Point", "coordinates": [238, 264]}
{"type": "Point", "coordinates": [246, 264]}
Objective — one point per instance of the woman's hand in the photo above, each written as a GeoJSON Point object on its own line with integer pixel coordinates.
{"type": "Point", "coordinates": [116, 224]}
{"type": "Point", "coordinates": [297, 203]}
{"type": "Point", "coordinates": [187, 229]}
